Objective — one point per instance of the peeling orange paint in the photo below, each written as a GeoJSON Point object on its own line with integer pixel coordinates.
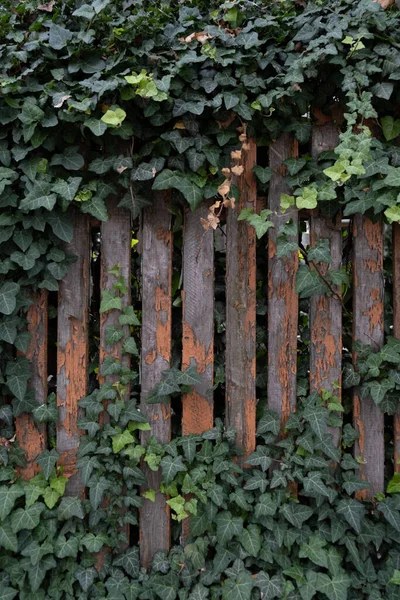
{"type": "Point", "coordinates": [194, 350]}
{"type": "Point", "coordinates": [151, 357]}
{"type": "Point", "coordinates": [375, 313]}
{"type": "Point", "coordinates": [197, 414]}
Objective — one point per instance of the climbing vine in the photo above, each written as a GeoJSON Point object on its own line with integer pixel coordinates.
{"type": "Point", "coordinates": [120, 98]}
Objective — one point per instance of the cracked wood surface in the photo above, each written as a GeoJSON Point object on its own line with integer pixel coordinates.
{"type": "Point", "coordinates": [198, 320]}
{"type": "Point", "coordinates": [368, 296]}
{"type": "Point", "coordinates": [396, 330]}
{"type": "Point", "coordinates": [72, 351]}
{"type": "Point", "coordinates": [157, 251]}
{"type": "Point", "coordinates": [326, 311]}
{"type": "Point", "coordinates": [240, 374]}
{"type": "Point", "coordinates": [31, 436]}
{"type": "Point", "coordinates": [282, 297]}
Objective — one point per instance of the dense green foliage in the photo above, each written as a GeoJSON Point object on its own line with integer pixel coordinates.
{"type": "Point", "coordinates": [115, 97]}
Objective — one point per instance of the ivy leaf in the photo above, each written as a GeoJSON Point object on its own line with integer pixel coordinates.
{"type": "Point", "coordinates": [191, 192]}
{"type": "Point", "coordinates": [61, 224]}
{"type": "Point", "coordinates": [309, 283]}
{"type": "Point", "coordinates": [353, 511]}
{"type": "Point", "coordinates": [128, 317]}
{"type": "Point", "coordinates": [260, 458]}
{"type": "Point", "coordinates": [171, 466]}
{"type": "Point", "coordinates": [26, 518]}
{"type": "Point", "coordinates": [110, 301]}
{"type": "Point", "coordinates": [47, 461]}
{"type": "Point", "coordinates": [297, 514]}
{"type": "Point", "coordinates": [270, 587]}
{"type": "Point", "coordinates": [8, 496]}
{"type": "Point", "coordinates": [46, 413]}
{"type": "Point", "coordinates": [8, 539]}
{"type": "Point", "coordinates": [66, 547]}
{"type": "Point", "coordinates": [199, 592]}
{"type": "Point", "coordinates": [8, 593]}
{"type": "Point", "coordinates": [121, 440]}
{"type": "Point", "coordinates": [8, 297]}
{"type": "Point", "coordinates": [317, 417]}
{"type": "Point", "coordinates": [130, 346]}
{"type": "Point", "coordinates": [166, 586]}
{"type": "Point", "coordinates": [314, 549]}
{"type": "Point", "coordinates": [58, 36]}
{"type": "Point", "coordinates": [86, 577]}
{"type": "Point", "coordinates": [251, 539]}
{"type": "Point", "coordinates": [334, 588]}
{"type": "Point", "coordinates": [70, 507]}
{"type": "Point", "coordinates": [321, 252]}
{"type": "Point", "coordinates": [129, 561]}
{"type": "Point", "coordinates": [96, 126]}
{"type": "Point", "coordinates": [390, 512]}
{"type": "Point", "coordinates": [228, 526]}
{"type": "Point", "coordinates": [263, 174]}
{"type": "Point", "coordinates": [238, 589]}
{"type": "Point", "coordinates": [390, 127]}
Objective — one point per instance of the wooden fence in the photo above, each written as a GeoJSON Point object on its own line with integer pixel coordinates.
{"type": "Point", "coordinates": [156, 247]}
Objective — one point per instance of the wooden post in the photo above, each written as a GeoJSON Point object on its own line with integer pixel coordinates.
{"type": "Point", "coordinates": [326, 311]}
{"type": "Point", "coordinates": [155, 358]}
{"type": "Point", "coordinates": [240, 375]}
{"type": "Point", "coordinates": [368, 295]}
{"type": "Point", "coordinates": [282, 297]}
{"type": "Point", "coordinates": [30, 435]}
{"type": "Point", "coordinates": [72, 351]}
{"type": "Point", "coordinates": [396, 330]}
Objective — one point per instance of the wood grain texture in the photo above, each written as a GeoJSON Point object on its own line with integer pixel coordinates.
{"type": "Point", "coordinates": [368, 295]}
{"type": "Point", "coordinates": [396, 330]}
{"type": "Point", "coordinates": [282, 297]}
{"type": "Point", "coordinates": [198, 320]}
{"type": "Point", "coordinates": [72, 351]}
{"type": "Point", "coordinates": [116, 234]}
{"type": "Point", "coordinates": [30, 435]}
{"type": "Point", "coordinates": [240, 373]}
{"type": "Point", "coordinates": [326, 311]}
{"type": "Point", "coordinates": [155, 358]}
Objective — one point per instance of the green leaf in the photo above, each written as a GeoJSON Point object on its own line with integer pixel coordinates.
{"type": "Point", "coordinates": [394, 484]}
{"type": "Point", "coordinates": [129, 561]}
{"type": "Point", "coordinates": [70, 159]}
{"type": "Point", "coordinates": [47, 461]}
{"type": "Point", "coordinates": [263, 174]}
{"type": "Point", "coordinates": [238, 589]}
{"type": "Point", "coordinates": [353, 511]}
{"type": "Point", "coordinates": [61, 224]}
{"type": "Point", "coordinates": [390, 127]}
{"type": "Point", "coordinates": [309, 283]}
{"type": "Point", "coordinates": [228, 526]}
{"type": "Point", "coordinates": [66, 547]}
{"type": "Point", "coordinates": [393, 214]}
{"type": "Point", "coordinates": [26, 518]}
{"type": "Point", "coordinates": [317, 417]}
{"type": "Point", "coordinates": [51, 497]}
{"type": "Point", "coordinates": [308, 199]}
{"type": "Point", "coordinates": [171, 466]}
{"type": "Point", "coordinates": [121, 440]}
{"type": "Point", "coordinates": [335, 588]}
{"type": "Point", "coordinates": [97, 487]}
{"type": "Point", "coordinates": [251, 539]}
{"type": "Point", "coordinates": [96, 126]}
{"type": "Point", "coordinates": [70, 507]}
{"type": "Point", "coordinates": [110, 301]}
{"type": "Point", "coordinates": [270, 587]}
{"type": "Point", "coordinates": [320, 253]}
{"type": "Point", "coordinates": [8, 539]}
{"type": "Point", "coordinates": [8, 496]}
{"type": "Point", "coordinates": [314, 549]}
{"type": "Point", "coordinates": [58, 36]}
{"type": "Point", "coordinates": [296, 514]}
{"type": "Point", "coordinates": [130, 346]}
{"type": "Point", "coordinates": [166, 586]}
{"type": "Point", "coordinates": [390, 512]}
{"type": "Point", "coordinates": [128, 317]}
{"type": "Point", "coordinates": [114, 118]}
{"type": "Point", "coordinates": [8, 297]}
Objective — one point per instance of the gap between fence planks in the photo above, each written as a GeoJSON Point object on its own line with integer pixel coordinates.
{"type": "Point", "coordinates": [72, 351]}
{"type": "Point", "coordinates": [282, 297]}
{"type": "Point", "coordinates": [368, 296]}
{"type": "Point", "coordinates": [157, 251]}
{"type": "Point", "coordinates": [396, 330]}
{"type": "Point", "coordinates": [31, 436]}
{"type": "Point", "coordinates": [198, 320]}
{"type": "Point", "coordinates": [326, 310]}
{"type": "Point", "coordinates": [240, 373]}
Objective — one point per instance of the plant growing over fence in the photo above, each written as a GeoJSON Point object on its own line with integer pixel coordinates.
{"type": "Point", "coordinates": [129, 99]}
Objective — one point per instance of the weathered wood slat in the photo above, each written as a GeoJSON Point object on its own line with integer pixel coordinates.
{"type": "Point", "coordinates": [326, 311]}
{"type": "Point", "coordinates": [240, 373]}
{"type": "Point", "coordinates": [198, 320]}
{"type": "Point", "coordinates": [30, 435]}
{"type": "Point", "coordinates": [396, 329]}
{"type": "Point", "coordinates": [368, 295]}
{"type": "Point", "coordinates": [72, 351]}
{"type": "Point", "coordinates": [116, 234]}
{"type": "Point", "coordinates": [155, 358]}
{"type": "Point", "coordinates": [282, 297]}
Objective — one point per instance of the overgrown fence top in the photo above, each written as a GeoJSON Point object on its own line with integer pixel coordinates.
{"type": "Point", "coordinates": [200, 303]}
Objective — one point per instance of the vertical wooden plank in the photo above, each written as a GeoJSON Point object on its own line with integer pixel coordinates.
{"type": "Point", "coordinates": [155, 357]}
{"type": "Point", "coordinates": [282, 297]}
{"type": "Point", "coordinates": [240, 374]}
{"type": "Point", "coordinates": [396, 330]}
{"type": "Point", "coordinates": [198, 320]}
{"type": "Point", "coordinates": [116, 234]}
{"type": "Point", "coordinates": [30, 435]}
{"type": "Point", "coordinates": [368, 295]}
{"type": "Point", "coordinates": [72, 351]}
{"type": "Point", "coordinates": [326, 311]}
